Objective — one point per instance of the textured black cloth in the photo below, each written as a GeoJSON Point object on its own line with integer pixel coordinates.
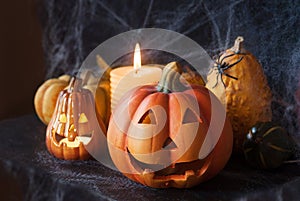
{"type": "Point", "coordinates": [29, 172]}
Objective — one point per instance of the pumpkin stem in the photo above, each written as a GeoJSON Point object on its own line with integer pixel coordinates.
{"type": "Point", "coordinates": [292, 161]}
{"type": "Point", "coordinates": [101, 63]}
{"type": "Point", "coordinates": [71, 84]}
{"type": "Point", "coordinates": [75, 83]}
{"type": "Point", "coordinates": [86, 75]}
{"type": "Point", "coordinates": [238, 45]}
{"type": "Point", "coordinates": [170, 79]}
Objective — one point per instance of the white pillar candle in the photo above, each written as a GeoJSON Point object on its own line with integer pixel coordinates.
{"type": "Point", "coordinates": [125, 78]}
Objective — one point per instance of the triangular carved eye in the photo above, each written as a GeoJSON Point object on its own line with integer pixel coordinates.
{"type": "Point", "coordinates": [190, 117]}
{"type": "Point", "coordinates": [82, 118]}
{"type": "Point", "coordinates": [148, 118]}
{"type": "Point", "coordinates": [63, 118]}
{"type": "Point", "coordinates": [169, 144]}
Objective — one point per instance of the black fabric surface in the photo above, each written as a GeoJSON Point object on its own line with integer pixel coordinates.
{"type": "Point", "coordinates": [29, 172]}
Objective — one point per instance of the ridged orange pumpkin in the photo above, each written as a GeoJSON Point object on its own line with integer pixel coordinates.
{"type": "Point", "coordinates": [238, 80]}
{"type": "Point", "coordinates": [73, 123]}
{"type": "Point", "coordinates": [161, 135]}
{"type": "Point", "coordinates": [46, 96]}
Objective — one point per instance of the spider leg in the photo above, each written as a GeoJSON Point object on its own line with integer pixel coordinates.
{"type": "Point", "coordinates": [216, 58]}
{"type": "Point", "coordinates": [212, 70]}
{"type": "Point", "coordinates": [217, 80]}
{"type": "Point", "coordinates": [229, 66]}
{"type": "Point", "coordinates": [221, 53]}
{"type": "Point", "coordinates": [230, 76]}
{"type": "Point", "coordinates": [223, 81]}
{"type": "Point", "coordinates": [226, 57]}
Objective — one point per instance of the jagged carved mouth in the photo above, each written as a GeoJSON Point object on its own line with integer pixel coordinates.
{"type": "Point", "coordinates": [58, 137]}
{"type": "Point", "coordinates": [175, 171]}
{"type": "Point", "coordinates": [85, 139]}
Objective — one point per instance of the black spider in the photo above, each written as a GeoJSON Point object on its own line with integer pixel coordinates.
{"type": "Point", "coordinates": [222, 66]}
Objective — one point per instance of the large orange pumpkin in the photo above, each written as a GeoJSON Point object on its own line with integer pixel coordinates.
{"type": "Point", "coordinates": [73, 123]}
{"type": "Point", "coordinates": [165, 136]}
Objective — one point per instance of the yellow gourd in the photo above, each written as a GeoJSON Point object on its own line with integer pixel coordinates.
{"type": "Point", "coordinates": [238, 80]}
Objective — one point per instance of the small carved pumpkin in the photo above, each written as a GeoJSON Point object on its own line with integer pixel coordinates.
{"type": "Point", "coordinates": [46, 96]}
{"type": "Point", "coordinates": [73, 123]}
{"type": "Point", "coordinates": [267, 145]}
{"type": "Point", "coordinates": [163, 136]}
{"type": "Point", "coordinates": [238, 80]}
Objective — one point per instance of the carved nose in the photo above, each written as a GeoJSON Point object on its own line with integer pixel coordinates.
{"type": "Point", "coordinates": [169, 144]}
{"type": "Point", "coordinates": [72, 134]}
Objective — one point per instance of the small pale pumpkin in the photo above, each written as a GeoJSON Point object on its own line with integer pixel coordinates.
{"type": "Point", "coordinates": [238, 80]}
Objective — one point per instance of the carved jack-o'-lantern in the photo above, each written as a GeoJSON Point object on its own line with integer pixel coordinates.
{"type": "Point", "coordinates": [73, 123]}
{"type": "Point", "coordinates": [164, 136]}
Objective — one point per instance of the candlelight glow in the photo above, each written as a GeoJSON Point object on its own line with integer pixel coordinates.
{"type": "Point", "coordinates": [125, 78]}
{"type": "Point", "coordinates": [137, 58]}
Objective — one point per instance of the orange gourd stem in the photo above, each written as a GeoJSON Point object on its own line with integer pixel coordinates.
{"type": "Point", "coordinates": [238, 45]}
{"type": "Point", "coordinates": [170, 79]}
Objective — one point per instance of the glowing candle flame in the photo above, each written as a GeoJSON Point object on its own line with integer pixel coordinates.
{"type": "Point", "coordinates": [137, 58]}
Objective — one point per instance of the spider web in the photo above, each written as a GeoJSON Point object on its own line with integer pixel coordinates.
{"type": "Point", "coordinates": [71, 29]}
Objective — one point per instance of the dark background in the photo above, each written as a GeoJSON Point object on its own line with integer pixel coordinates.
{"type": "Point", "coordinates": [22, 66]}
